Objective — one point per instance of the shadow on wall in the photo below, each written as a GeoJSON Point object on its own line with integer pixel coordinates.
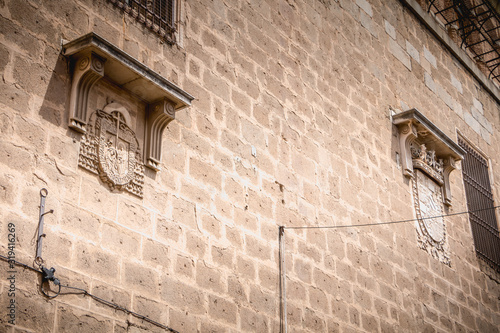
{"type": "Point", "coordinates": [56, 99]}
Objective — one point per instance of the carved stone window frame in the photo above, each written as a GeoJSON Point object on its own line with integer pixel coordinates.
{"type": "Point", "coordinates": [93, 58]}
{"type": "Point", "coordinates": [416, 131]}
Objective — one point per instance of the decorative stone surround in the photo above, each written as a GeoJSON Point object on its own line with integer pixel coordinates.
{"type": "Point", "coordinates": [93, 58]}
{"type": "Point", "coordinates": [424, 146]}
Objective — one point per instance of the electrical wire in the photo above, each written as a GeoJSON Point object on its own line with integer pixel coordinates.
{"type": "Point", "coordinates": [117, 307]}
{"type": "Point", "coordinates": [390, 222]}
{"type": "Point", "coordinates": [100, 300]}
{"type": "Point", "coordinates": [283, 315]}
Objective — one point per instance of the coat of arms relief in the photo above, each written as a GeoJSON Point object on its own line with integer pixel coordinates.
{"type": "Point", "coordinates": [109, 145]}
{"type": "Point", "coordinates": [111, 150]}
{"type": "Point", "coordinates": [428, 157]}
{"type": "Point", "coordinates": [428, 200]}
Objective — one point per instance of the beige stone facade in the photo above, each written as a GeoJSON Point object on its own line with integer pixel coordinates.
{"type": "Point", "coordinates": [291, 125]}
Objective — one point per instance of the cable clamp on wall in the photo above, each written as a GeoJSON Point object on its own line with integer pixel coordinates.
{"type": "Point", "coordinates": [48, 275]}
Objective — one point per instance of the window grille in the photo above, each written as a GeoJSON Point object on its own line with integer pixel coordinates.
{"type": "Point", "coordinates": [480, 202]}
{"type": "Point", "coordinates": [158, 16]}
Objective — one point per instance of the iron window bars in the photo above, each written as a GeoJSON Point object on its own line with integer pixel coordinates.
{"type": "Point", "coordinates": [475, 26]}
{"type": "Point", "coordinates": [481, 206]}
{"type": "Point", "coordinates": [158, 16]}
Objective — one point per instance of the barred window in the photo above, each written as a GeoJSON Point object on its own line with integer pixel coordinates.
{"type": "Point", "coordinates": [480, 202]}
{"type": "Point", "coordinates": [159, 16]}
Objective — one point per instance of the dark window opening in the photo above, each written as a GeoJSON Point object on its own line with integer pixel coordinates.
{"type": "Point", "coordinates": [480, 203]}
{"type": "Point", "coordinates": [158, 16]}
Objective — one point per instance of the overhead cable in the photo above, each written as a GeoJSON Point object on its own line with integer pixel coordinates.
{"type": "Point", "coordinates": [85, 292]}
{"type": "Point", "coordinates": [390, 222]}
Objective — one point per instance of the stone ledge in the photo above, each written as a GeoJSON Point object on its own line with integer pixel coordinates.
{"type": "Point", "coordinates": [424, 146]}
{"type": "Point", "coordinates": [92, 58]}
{"type": "Point", "coordinates": [127, 72]}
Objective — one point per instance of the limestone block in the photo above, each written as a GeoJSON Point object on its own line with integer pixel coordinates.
{"type": "Point", "coordinates": [183, 321]}
{"type": "Point", "coordinates": [184, 212]}
{"type": "Point", "coordinates": [96, 198]}
{"type": "Point", "coordinates": [252, 321]}
{"type": "Point", "coordinates": [196, 244]}
{"type": "Point", "coordinates": [211, 225]}
{"type": "Point", "coordinates": [412, 51]}
{"type": "Point", "coordinates": [141, 277]}
{"type": "Point", "coordinates": [222, 309]}
{"type": "Point", "coordinates": [167, 230]}
{"type": "Point", "coordinates": [311, 319]}
{"type": "Point", "coordinates": [268, 277]}
{"type": "Point", "coordinates": [31, 76]}
{"type": "Point", "coordinates": [257, 248]}
{"type": "Point", "coordinates": [262, 301]}
{"type": "Point", "coordinates": [209, 278]}
{"type": "Point", "coordinates": [72, 319]}
{"type": "Point", "coordinates": [119, 240]}
{"type": "Point", "coordinates": [205, 173]}
{"type": "Point", "coordinates": [430, 57]}
{"type": "Point", "coordinates": [32, 312]}
{"type": "Point", "coordinates": [135, 216]}
{"type": "Point", "coordinates": [113, 294]}
{"type": "Point", "coordinates": [184, 266]}
{"type": "Point", "coordinates": [472, 122]}
{"type": "Point", "coordinates": [94, 261]}
{"type": "Point", "coordinates": [156, 253]}
{"type": "Point", "coordinates": [183, 296]}
{"type": "Point", "coordinates": [246, 266]}
{"type": "Point", "coordinates": [195, 193]}
{"type": "Point", "coordinates": [399, 53]}
{"type": "Point", "coordinates": [79, 223]}
{"type": "Point", "coordinates": [8, 193]}
{"type": "Point", "coordinates": [156, 311]}
{"type": "Point", "coordinates": [64, 149]}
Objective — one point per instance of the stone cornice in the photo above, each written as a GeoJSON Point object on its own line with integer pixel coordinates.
{"type": "Point", "coordinates": [424, 146]}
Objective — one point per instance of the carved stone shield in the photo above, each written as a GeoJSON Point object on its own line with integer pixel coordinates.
{"type": "Point", "coordinates": [117, 146]}
{"type": "Point", "coordinates": [429, 209]}
{"type": "Point", "coordinates": [111, 150]}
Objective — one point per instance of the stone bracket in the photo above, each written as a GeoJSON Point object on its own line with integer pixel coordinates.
{"type": "Point", "coordinates": [89, 68]}
{"type": "Point", "coordinates": [159, 115]}
{"type": "Point", "coordinates": [92, 58]}
{"type": "Point", "coordinates": [438, 153]}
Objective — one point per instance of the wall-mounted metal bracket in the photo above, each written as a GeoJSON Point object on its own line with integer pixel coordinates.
{"type": "Point", "coordinates": [43, 195]}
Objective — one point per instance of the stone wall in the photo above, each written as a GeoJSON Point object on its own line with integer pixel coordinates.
{"type": "Point", "coordinates": [291, 126]}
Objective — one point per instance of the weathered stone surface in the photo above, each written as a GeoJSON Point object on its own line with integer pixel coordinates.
{"type": "Point", "coordinates": [290, 126]}
{"type": "Point", "coordinates": [76, 320]}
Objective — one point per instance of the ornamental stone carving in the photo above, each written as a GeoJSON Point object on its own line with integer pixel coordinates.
{"type": "Point", "coordinates": [110, 149]}
{"type": "Point", "coordinates": [88, 70]}
{"type": "Point", "coordinates": [93, 58]}
{"type": "Point", "coordinates": [425, 147]}
{"type": "Point", "coordinates": [431, 227]}
{"type": "Point", "coordinates": [428, 157]}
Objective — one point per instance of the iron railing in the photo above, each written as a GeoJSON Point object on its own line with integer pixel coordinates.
{"type": "Point", "coordinates": [480, 203]}
{"type": "Point", "coordinates": [158, 16]}
{"type": "Point", "coordinates": [476, 26]}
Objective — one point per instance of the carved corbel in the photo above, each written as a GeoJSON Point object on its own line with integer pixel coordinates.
{"type": "Point", "coordinates": [88, 70]}
{"type": "Point", "coordinates": [159, 115]}
{"type": "Point", "coordinates": [449, 166]}
{"type": "Point", "coordinates": [89, 55]}
{"type": "Point", "coordinates": [407, 134]}
{"type": "Point", "coordinates": [437, 153]}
